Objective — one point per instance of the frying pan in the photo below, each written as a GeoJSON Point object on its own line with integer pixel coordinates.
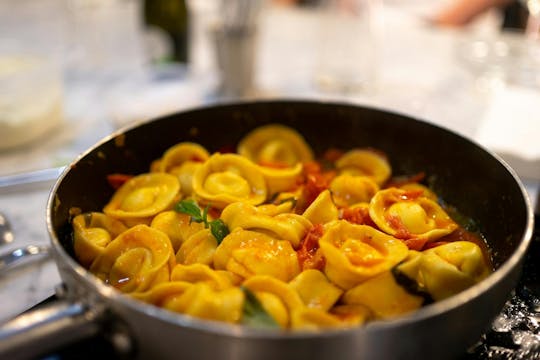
{"type": "Point", "coordinates": [463, 173]}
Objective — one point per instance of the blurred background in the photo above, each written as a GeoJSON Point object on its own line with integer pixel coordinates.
{"type": "Point", "coordinates": [107, 63]}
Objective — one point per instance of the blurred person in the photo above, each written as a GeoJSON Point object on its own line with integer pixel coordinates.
{"type": "Point", "coordinates": [462, 12]}
{"type": "Point", "coordinates": [296, 2]}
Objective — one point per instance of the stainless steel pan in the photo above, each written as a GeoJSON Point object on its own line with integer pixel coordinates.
{"type": "Point", "coordinates": [476, 181]}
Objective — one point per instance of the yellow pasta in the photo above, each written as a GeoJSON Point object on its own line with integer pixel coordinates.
{"type": "Point", "coordinates": [280, 298]}
{"type": "Point", "coordinates": [248, 253]}
{"type": "Point", "coordinates": [143, 196]}
{"type": "Point", "coordinates": [284, 226]}
{"type": "Point", "coordinates": [405, 215]}
{"type": "Point", "coordinates": [198, 300]}
{"type": "Point", "coordinates": [92, 232]}
{"type": "Point", "coordinates": [352, 315]}
{"type": "Point", "coordinates": [185, 173]}
{"type": "Point", "coordinates": [314, 319]}
{"type": "Point", "coordinates": [177, 226]}
{"type": "Point", "coordinates": [416, 187]}
{"type": "Point", "coordinates": [199, 248]}
{"type": "Point", "coordinates": [446, 270]}
{"type": "Point", "coordinates": [273, 209]}
{"type": "Point", "coordinates": [316, 290]}
{"type": "Point", "coordinates": [355, 253]}
{"type": "Point", "coordinates": [275, 145]}
{"type": "Point", "coordinates": [322, 210]}
{"type": "Point", "coordinates": [227, 178]}
{"type": "Point", "coordinates": [181, 153]}
{"type": "Point", "coordinates": [163, 293]}
{"type": "Point", "coordinates": [383, 296]}
{"type": "Point", "coordinates": [279, 151]}
{"type": "Point", "coordinates": [195, 273]}
{"type": "Point", "coordinates": [281, 179]}
{"type": "Point", "coordinates": [137, 259]}
{"type": "Point", "coordinates": [365, 162]}
{"type": "Point", "coordinates": [182, 160]}
{"type": "Point", "coordinates": [271, 237]}
{"type": "Point", "coordinates": [348, 190]}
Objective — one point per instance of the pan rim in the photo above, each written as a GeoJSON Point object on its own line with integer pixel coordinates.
{"type": "Point", "coordinates": [233, 330]}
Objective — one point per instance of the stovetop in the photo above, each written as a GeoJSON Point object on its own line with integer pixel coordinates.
{"type": "Point", "coordinates": [514, 334]}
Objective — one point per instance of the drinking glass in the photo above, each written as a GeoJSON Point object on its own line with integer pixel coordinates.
{"type": "Point", "coordinates": [347, 53]}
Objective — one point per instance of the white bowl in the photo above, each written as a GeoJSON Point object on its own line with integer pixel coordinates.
{"type": "Point", "coordinates": [30, 99]}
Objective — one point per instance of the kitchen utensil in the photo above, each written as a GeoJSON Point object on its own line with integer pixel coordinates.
{"type": "Point", "coordinates": [6, 234]}
{"type": "Point", "coordinates": [23, 255]}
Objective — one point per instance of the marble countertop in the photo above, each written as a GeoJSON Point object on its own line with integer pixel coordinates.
{"type": "Point", "coordinates": [421, 74]}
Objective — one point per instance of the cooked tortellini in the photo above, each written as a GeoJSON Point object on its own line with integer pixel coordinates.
{"type": "Point", "coordinates": [272, 236]}
{"type": "Point", "coordinates": [447, 269]}
{"type": "Point", "coordinates": [409, 215]}
{"type": "Point", "coordinates": [275, 146]}
{"type": "Point", "coordinates": [355, 253]}
{"type": "Point", "coordinates": [365, 162]}
{"type": "Point", "coordinates": [182, 160]}
{"type": "Point", "coordinates": [195, 273]}
{"type": "Point", "coordinates": [422, 189]}
{"type": "Point", "coordinates": [92, 232]}
{"type": "Point", "coordinates": [180, 154]}
{"type": "Point", "coordinates": [277, 298]}
{"type": "Point", "coordinates": [198, 300]}
{"type": "Point", "coordinates": [284, 226]}
{"type": "Point", "coordinates": [281, 179]}
{"type": "Point", "coordinates": [322, 210]}
{"type": "Point", "coordinates": [227, 178]}
{"type": "Point", "coordinates": [316, 290]}
{"type": "Point", "coordinates": [279, 151]}
{"type": "Point", "coordinates": [199, 248]}
{"type": "Point", "coordinates": [185, 173]}
{"type": "Point", "coordinates": [177, 226]}
{"type": "Point", "coordinates": [348, 190]}
{"type": "Point", "coordinates": [137, 259]}
{"type": "Point", "coordinates": [248, 253]}
{"type": "Point", "coordinates": [383, 296]}
{"type": "Point", "coordinates": [143, 196]}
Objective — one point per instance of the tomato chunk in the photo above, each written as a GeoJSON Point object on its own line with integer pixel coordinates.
{"type": "Point", "coordinates": [309, 255]}
{"type": "Point", "coordinates": [117, 180]}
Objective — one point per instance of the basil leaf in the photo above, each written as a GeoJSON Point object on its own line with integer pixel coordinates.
{"type": "Point", "coordinates": [219, 229]}
{"type": "Point", "coordinates": [410, 285]}
{"type": "Point", "coordinates": [254, 313]}
{"type": "Point", "coordinates": [190, 208]}
{"type": "Point", "coordinates": [291, 199]}
{"type": "Point", "coordinates": [205, 215]}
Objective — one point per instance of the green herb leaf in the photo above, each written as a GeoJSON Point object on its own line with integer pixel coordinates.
{"type": "Point", "coordinates": [219, 229]}
{"type": "Point", "coordinates": [254, 313]}
{"type": "Point", "coordinates": [205, 215]}
{"type": "Point", "coordinates": [291, 199]}
{"type": "Point", "coordinates": [191, 208]}
{"type": "Point", "coordinates": [410, 285]}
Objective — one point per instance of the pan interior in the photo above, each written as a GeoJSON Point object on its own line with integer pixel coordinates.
{"type": "Point", "coordinates": [462, 173]}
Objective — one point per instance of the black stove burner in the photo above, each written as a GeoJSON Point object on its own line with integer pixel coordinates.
{"type": "Point", "coordinates": [514, 335]}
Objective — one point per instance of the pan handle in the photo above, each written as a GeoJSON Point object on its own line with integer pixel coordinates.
{"type": "Point", "coordinates": [54, 325]}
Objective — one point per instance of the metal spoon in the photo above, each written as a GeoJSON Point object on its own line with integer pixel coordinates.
{"type": "Point", "coordinates": [6, 234]}
{"type": "Point", "coordinates": [21, 256]}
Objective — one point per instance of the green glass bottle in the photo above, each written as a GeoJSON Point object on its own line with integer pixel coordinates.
{"type": "Point", "coordinates": [172, 17]}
